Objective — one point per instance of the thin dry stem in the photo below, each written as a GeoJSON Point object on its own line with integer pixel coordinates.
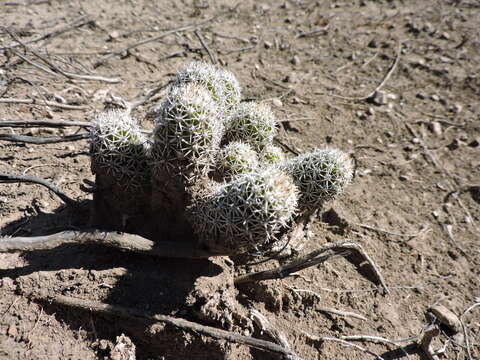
{"type": "Point", "coordinates": [130, 313]}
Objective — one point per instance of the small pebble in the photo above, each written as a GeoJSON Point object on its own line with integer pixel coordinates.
{"type": "Point", "coordinates": [435, 214]}
{"type": "Point", "coordinates": [277, 102]}
{"type": "Point", "coordinates": [475, 143]}
{"type": "Point", "coordinates": [428, 28]}
{"type": "Point", "coordinates": [291, 78]}
{"type": "Point", "coordinates": [113, 35]}
{"type": "Point", "coordinates": [435, 97]}
{"type": "Point", "coordinates": [295, 60]}
{"type": "Point", "coordinates": [420, 96]}
{"type": "Point", "coordinates": [370, 111]}
{"type": "Point", "coordinates": [403, 178]}
{"type": "Point", "coordinates": [436, 128]}
{"type": "Point", "coordinates": [415, 140]}
{"type": "Point", "coordinates": [267, 44]}
{"type": "Point", "coordinates": [265, 7]}
{"type": "Point", "coordinates": [445, 36]}
{"type": "Point", "coordinates": [373, 44]}
{"type": "Point", "coordinates": [380, 98]}
{"type": "Point", "coordinates": [12, 330]}
{"type": "Point", "coordinates": [456, 108]}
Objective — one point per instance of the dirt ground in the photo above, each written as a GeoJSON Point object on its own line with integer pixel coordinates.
{"type": "Point", "coordinates": [414, 204]}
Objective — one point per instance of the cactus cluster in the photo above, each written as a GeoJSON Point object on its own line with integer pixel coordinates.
{"type": "Point", "coordinates": [118, 146]}
{"type": "Point", "coordinates": [237, 190]}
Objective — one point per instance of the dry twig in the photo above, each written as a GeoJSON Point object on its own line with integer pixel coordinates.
{"type": "Point", "coordinates": [114, 239]}
{"type": "Point", "coordinates": [268, 329]}
{"type": "Point", "coordinates": [53, 69]}
{"type": "Point", "coordinates": [44, 123]}
{"type": "Point", "coordinates": [353, 252]}
{"type": "Point", "coordinates": [344, 342]}
{"type": "Point", "coordinates": [375, 339]}
{"type": "Point", "coordinates": [382, 83]}
{"type": "Point", "coordinates": [130, 313]}
{"type": "Point", "coordinates": [79, 22]}
{"type": "Point", "coordinates": [13, 178]}
{"type": "Point", "coordinates": [198, 34]}
{"type": "Point", "coordinates": [190, 27]}
{"type": "Point", "coordinates": [43, 102]}
{"type": "Point", "coordinates": [38, 140]}
{"type": "Point", "coordinates": [465, 330]}
{"type": "Point", "coordinates": [327, 309]}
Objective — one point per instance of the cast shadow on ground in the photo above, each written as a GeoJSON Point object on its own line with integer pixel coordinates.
{"type": "Point", "coordinates": [146, 283]}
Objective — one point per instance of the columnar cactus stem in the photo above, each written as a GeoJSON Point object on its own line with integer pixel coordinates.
{"type": "Point", "coordinates": [320, 176]}
{"type": "Point", "coordinates": [186, 141]}
{"type": "Point", "coordinates": [187, 134]}
{"type": "Point", "coordinates": [246, 213]}
{"type": "Point", "coordinates": [119, 159]}
{"type": "Point", "coordinates": [222, 84]}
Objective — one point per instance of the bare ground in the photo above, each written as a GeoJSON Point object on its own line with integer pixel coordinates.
{"type": "Point", "coordinates": [413, 206]}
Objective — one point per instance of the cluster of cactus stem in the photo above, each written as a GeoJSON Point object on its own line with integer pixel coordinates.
{"type": "Point", "coordinates": [211, 168]}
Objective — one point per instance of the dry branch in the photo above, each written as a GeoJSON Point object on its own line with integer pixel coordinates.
{"type": "Point", "coordinates": [46, 102]}
{"type": "Point", "coordinates": [114, 239]}
{"type": "Point", "coordinates": [79, 22]}
{"type": "Point", "coordinates": [353, 252]}
{"type": "Point", "coordinates": [284, 271]}
{"type": "Point", "coordinates": [382, 83]}
{"type": "Point", "coordinates": [130, 313]}
{"type": "Point", "coordinates": [190, 27]}
{"type": "Point", "coordinates": [39, 140]}
{"type": "Point", "coordinates": [426, 341]}
{"type": "Point", "coordinates": [53, 69]}
{"type": "Point", "coordinates": [376, 340]}
{"type": "Point", "coordinates": [344, 342]}
{"type": "Point", "coordinates": [267, 328]}
{"type": "Point", "coordinates": [198, 34]}
{"type": "Point", "coordinates": [13, 178]}
{"type": "Point", "coordinates": [44, 123]}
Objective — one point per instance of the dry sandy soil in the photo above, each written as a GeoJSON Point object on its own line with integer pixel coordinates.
{"type": "Point", "coordinates": [414, 204]}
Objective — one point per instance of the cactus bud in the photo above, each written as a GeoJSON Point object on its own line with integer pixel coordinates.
{"type": "Point", "coordinates": [271, 155]}
{"type": "Point", "coordinates": [320, 176]}
{"type": "Point", "coordinates": [253, 123]}
{"type": "Point", "coordinates": [188, 132]}
{"type": "Point", "coordinates": [246, 213]}
{"type": "Point", "coordinates": [236, 158]}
